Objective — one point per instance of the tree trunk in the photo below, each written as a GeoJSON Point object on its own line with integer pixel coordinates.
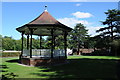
{"type": "Point", "coordinates": [112, 48]}
{"type": "Point", "coordinates": [112, 33]}
{"type": "Point", "coordinates": [78, 50]}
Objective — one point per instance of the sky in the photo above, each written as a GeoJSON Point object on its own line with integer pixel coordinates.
{"type": "Point", "coordinates": [16, 14]}
{"type": "Point", "coordinates": [60, 0]}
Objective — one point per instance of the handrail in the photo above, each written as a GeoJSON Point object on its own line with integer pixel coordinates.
{"type": "Point", "coordinates": [44, 52]}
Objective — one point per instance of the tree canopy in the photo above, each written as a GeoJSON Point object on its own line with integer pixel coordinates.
{"type": "Point", "coordinates": [110, 34]}
{"type": "Point", "coordinates": [112, 23]}
{"type": "Point", "coordinates": [77, 37]}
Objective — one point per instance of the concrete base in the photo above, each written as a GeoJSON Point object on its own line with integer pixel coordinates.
{"type": "Point", "coordinates": [42, 61]}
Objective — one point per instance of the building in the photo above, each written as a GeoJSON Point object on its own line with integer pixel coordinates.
{"type": "Point", "coordinates": [43, 25]}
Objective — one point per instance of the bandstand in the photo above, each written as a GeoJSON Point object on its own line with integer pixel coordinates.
{"type": "Point", "coordinates": [43, 25]}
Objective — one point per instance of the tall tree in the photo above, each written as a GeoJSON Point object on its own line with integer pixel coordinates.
{"type": "Point", "coordinates": [113, 27]}
{"type": "Point", "coordinates": [113, 24]}
{"type": "Point", "coordinates": [59, 42]}
{"type": "Point", "coordinates": [48, 42]}
{"type": "Point", "coordinates": [77, 37]}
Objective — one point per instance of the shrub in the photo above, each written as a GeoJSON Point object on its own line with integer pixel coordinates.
{"type": "Point", "coordinates": [10, 54]}
{"type": "Point", "coordinates": [100, 53]}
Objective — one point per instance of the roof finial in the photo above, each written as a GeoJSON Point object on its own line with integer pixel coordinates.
{"type": "Point", "coordinates": [45, 7]}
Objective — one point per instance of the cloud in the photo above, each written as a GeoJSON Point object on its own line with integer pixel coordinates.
{"type": "Point", "coordinates": [82, 15]}
{"type": "Point", "coordinates": [92, 30]}
{"type": "Point", "coordinates": [71, 22]}
{"type": "Point", "coordinates": [78, 5]}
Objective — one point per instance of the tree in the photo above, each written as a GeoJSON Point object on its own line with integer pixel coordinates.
{"type": "Point", "coordinates": [48, 42]}
{"type": "Point", "coordinates": [0, 42]}
{"type": "Point", "coordinates": [113, 23]}
{"type": "Point", "coordinates": [36, 43]}
{"type": "Point", "coordinates": [89, 42]}
{"type": "Point", "coordinates": [8, 43]}
{"type": "Point", "coordinates": [77, 37]}
{"type": "Point", "coordinates": [18, 45]}
{"type": "Point", "coordinates": [59, 42]}
{"type": "Point", "coordinates": [113, 27]}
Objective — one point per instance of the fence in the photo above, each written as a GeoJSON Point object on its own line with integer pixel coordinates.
{"type": "Point", "coordinates": [10, 53]}
{"type": "Point", "coordinates": [43, 53]}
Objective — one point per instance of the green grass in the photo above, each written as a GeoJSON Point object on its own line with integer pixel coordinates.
{"type": "Point", "coordinates": [93, 57]}
{"type": "Point", "coordinates": [90, 67]}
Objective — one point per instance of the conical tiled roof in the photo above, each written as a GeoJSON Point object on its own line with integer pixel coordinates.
{"type": "Point", "coordinates": [42, 23]}
{"type": "Point", "coordinates": [44, 18]}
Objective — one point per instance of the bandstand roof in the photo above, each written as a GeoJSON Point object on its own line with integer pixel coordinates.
{"type": "Point", "coordinates": [43, 24]}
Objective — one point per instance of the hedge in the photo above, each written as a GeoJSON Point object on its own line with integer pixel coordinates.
{"type": "Point", "coordinates": [10, 54]}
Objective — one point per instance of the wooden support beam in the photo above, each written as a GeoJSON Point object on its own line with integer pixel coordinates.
{"type": "Point", "coordinates": [22, 46]}
{"type": "Point", "coordinates": [22, 41]}
{"type": "Point", "coordinates": [65, 43]}
{"type": "Point", "coordinates": [40, 44]}
{"type": "Point", "coordinates": [27, 41]}
{"type": "Point", "coordinates": [53, 42]}
{"type": "Point", "coordinates": [31, 32]}
{"type": "Point", "coordinates": [52, 46]}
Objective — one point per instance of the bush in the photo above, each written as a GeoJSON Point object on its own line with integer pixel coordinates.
{"type": "Point", "coordinates": [116, 47]}
{"type": "Point", "coordinates": [100, 53]}
{"type": "Point", "coordinates": [10, 54]}
{"type": "Point", "coordinates": [86, 54]}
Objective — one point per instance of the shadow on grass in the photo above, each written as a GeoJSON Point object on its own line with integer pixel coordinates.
{"type": "Point", "coordinates": [83, 69]}
{"type": "Point", "coordinates": [118, 69]}
{"type": "Point", "coordinates": [5, 74]}
{"type": "Point", "coordinates": [13, 61]}
{"type": "Point", "coordinates": [3, 67]}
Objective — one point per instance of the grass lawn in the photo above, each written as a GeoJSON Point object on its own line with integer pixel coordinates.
{"type": "Point", "coordinates": [84, 67]}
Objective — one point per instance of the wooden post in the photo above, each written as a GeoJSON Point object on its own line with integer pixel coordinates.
{"type": "Point", "coordinates": [52, 46]}
{"type": "Point", "coordinates": [27, 41]}
{"type": "Point", "coordinates": [65, 43]}
{"type": "Point", "coordinates": [53, 43]}
{"type": "Point", "coordinates": [31, 32]}
{"type": "Point", "coordinates": [40, 44]}
{"type": "Point", "coordinates": [22, 47]}
{"type": "Point", "coordinates": [22, 41]}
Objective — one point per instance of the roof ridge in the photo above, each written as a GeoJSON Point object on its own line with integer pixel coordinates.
{"type": "Point", "coordinates": [44, 18]}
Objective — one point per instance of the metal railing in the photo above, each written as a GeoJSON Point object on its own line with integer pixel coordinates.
{"type": "Point", "coordinates": [44, 53]}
